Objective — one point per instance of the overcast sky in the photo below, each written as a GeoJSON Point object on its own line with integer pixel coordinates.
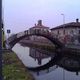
{"type": "Point", "coordinates": [23, 14]}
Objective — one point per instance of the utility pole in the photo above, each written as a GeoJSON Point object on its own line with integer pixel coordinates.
{"type": "Point", "coordinates": [63, 25]}
{"type": "Point", "coordinates": [0, 39]}
{"type": "Point", "coordinates": [63, 18]}
{"type": "Point", "coordinates": [63, 34]}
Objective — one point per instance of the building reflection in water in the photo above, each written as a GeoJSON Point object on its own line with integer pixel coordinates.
{"type": "Point", "coordinates": [37, 55]}
{"type": "Point", "coordinates": [69, 63]}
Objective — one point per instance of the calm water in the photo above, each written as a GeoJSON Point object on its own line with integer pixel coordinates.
{"type": "Point", "coordinates": [33, 58]}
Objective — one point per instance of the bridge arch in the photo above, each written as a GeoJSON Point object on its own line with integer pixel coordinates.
{"type": "Point", "coordinates": [16, 38]}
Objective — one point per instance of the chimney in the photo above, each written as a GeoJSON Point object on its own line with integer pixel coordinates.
{"type": "Point", "coordinates": [77, 20]}
{"type": "Point", "coordinates": [40, 22]}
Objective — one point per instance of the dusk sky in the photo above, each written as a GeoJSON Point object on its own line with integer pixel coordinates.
{"type": "Point", "coordinates": [23, 14]}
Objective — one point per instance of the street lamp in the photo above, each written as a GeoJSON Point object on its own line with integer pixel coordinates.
{"type": "Point", "coordinates": [63, 18]}
{"type": "Point", "coordinates": [63, 24]}
{"type": "Point", "coordinates": [63, 34]}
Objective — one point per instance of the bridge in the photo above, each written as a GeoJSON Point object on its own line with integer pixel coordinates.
{"type": "Point", "coordinates": [12, 40]}
{"type": "Point", "coordinates": [58, 59]}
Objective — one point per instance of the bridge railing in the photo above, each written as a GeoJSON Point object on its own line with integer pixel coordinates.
{"type": "Point", "coordinates": [29, 32]}
{"type": "Point", "coordinates": [20, 34]}
{"type": "Point", "coordinates": [33, 32]}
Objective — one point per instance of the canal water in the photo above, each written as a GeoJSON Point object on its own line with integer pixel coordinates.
{"type": "Point", "coordinates": [32, 57]}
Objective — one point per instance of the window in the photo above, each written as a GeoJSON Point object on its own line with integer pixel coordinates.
{"type": "Point", "coordinates": [63, 32]}
{"type": "Point", "coordinates": [58, 32]}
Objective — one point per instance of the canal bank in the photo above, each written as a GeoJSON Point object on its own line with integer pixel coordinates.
{"type": "Point", "coordinates": [50, 74]}
{"type": "Point", "coordinates": [13, 68]}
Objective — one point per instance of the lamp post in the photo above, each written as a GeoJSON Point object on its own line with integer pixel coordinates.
{"type": "Point", "coordinates": [63, 34]}
{"type": "Point", "coordinates": [8, 32]}
{"type": "Point", "coordinates": [63, 25]}
{"type": "Point", "coordinates": [0, 39]}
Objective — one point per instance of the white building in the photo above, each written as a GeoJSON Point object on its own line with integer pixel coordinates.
{"type": "Point", "coordinates": [68, 33]}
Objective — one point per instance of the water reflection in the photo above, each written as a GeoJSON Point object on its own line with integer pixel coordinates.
{"type": "Point", "coordinates": [70, 63]}
{"type": "Point", "coordinates": [27, 56]}
{"type": "Point", "coordinates": [36, 55]}
{"type": "Point", "coordinates": [40, 62]}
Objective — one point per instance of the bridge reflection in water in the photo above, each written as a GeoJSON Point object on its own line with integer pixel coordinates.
{"type": "Point", "coordinates": [67, 62]}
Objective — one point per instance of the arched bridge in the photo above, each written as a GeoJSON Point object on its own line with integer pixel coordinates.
{"type": "Point", "coordinates": [12, 40]}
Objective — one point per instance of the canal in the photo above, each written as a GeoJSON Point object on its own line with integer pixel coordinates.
{"type": "Point", "coordinates": [65, 68]}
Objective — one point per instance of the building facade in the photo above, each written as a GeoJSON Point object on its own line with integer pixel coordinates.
{"type": "Point", "coordinates": [39, 27]}
{"type": "Point", "coordinates": [68, 33]}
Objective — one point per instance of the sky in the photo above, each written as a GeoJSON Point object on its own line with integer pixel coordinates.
{"type": "Point", "coordinates": [20, 15]}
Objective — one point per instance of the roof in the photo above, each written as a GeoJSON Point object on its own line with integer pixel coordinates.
{"type": "Point", "coordinates": [68, 25]}
{"type": "Point", "coordinates": [39, 25]}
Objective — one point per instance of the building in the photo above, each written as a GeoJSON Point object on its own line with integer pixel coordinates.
{"type": "Point", "coordinates": [68, 33]}
{"type": "Point", "coordinates": [39, 27]}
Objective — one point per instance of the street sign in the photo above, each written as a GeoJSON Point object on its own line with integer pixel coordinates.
{"type": "Point", "coordinates": [8, 31]}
